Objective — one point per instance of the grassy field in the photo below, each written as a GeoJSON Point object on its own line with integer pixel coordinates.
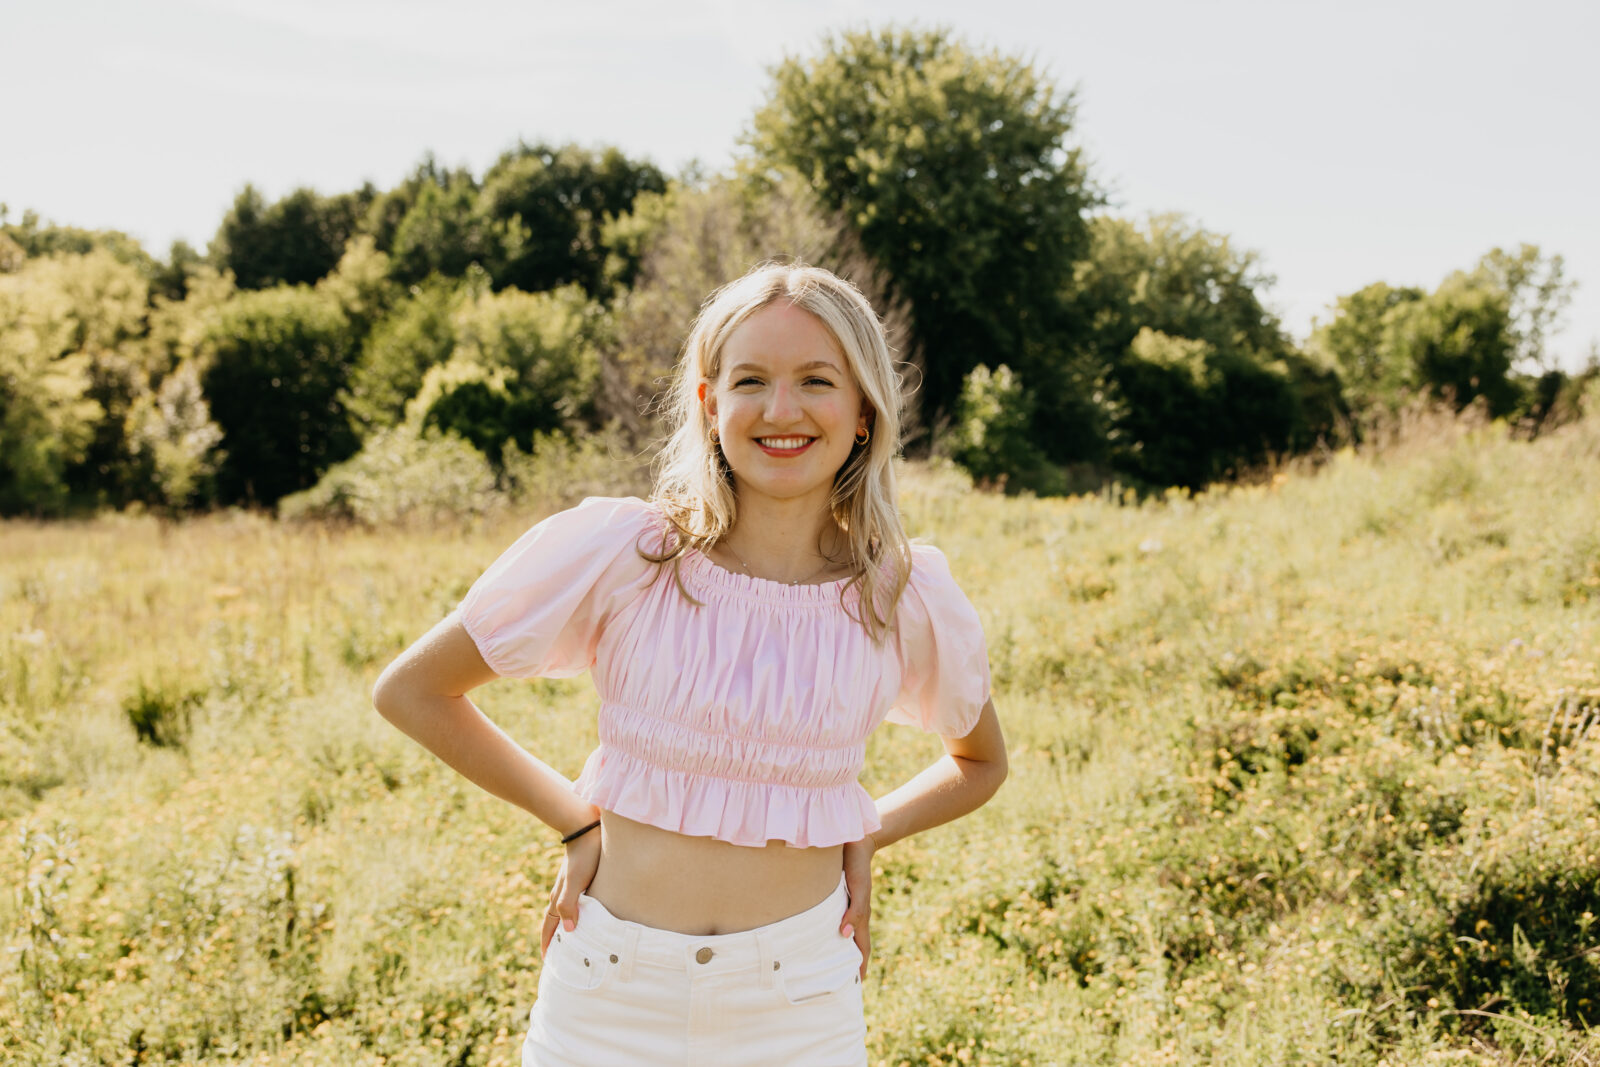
{"type": "Point", "coordinates": [1305, 772]}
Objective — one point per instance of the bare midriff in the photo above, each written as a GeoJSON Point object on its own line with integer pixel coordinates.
{"type": "Point", "coordinates": [702, 886]}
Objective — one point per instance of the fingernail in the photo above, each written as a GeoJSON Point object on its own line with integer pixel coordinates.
{"type": "Point", "coordinates": [569, 925]}
{"type": "Point", "coordinates": [849, 931]}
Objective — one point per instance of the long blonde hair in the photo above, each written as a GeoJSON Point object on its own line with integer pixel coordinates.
{"type": "Point", "coordinates": [694, 486]}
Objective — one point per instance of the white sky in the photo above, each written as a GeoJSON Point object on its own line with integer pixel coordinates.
{"type": "Point", "coordinates": [1345, 142]}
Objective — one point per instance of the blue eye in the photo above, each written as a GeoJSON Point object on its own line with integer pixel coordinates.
{"type": "Point", "coordinates": [819, 381]}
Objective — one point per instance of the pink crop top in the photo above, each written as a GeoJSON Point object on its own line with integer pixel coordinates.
{"type": "Point", "coordinates": [745, 719]}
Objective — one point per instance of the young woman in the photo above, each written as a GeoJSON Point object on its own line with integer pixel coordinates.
{"type": "Point", "coordinates": [747, 629]}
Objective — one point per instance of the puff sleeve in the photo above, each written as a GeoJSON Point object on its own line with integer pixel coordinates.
{"type": "Point", "coordinates": [539, 610]}
{"type": "Point", "coordinates": [943, 656]}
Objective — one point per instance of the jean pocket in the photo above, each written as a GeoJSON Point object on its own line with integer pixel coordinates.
{"type": "Point", "coordinates": [823, 975]}
{"type": "Point", "coordinates": [578, 963]}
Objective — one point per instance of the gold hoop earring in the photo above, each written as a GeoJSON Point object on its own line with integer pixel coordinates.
{"type": "Point", "coordinates": [863, 435]}
{"type": "Point", "coordinates": [716, 438]}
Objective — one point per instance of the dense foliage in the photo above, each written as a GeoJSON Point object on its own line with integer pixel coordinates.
{"type": "Point", "coordinates": [1047, 347]}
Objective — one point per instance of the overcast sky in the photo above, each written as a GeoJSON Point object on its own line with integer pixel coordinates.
{"type": "Point", "coordinates": [1345, 143]}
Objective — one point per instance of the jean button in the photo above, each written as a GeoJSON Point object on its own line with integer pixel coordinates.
{"type": "Point", "coordinates": [703, 956]}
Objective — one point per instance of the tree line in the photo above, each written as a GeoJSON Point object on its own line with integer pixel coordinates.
{"type": "Point", "coordinates": [1053, 346]}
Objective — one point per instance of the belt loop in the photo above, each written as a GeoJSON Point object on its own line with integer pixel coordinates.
{"type": "Point", "coordinates": [627, 950]}
{"type": "Point", "coordinates": [767, 956]}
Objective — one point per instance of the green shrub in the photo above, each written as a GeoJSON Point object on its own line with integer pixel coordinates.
{"type": "Point", "coordinates": [557, 471]}
{"type": "Point", "coordinates": [400, 475]}
{"type": "Point", "coordinates": [162, 714]}
{"type": "Point", "coordinates": [993, 436]}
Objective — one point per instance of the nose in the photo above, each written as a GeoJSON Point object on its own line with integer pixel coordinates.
{"type": "Point", "coordinates": [782, 404]}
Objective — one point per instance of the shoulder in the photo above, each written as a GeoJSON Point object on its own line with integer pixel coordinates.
{"type": "Point", "coordinates": [602, 522]}
{"type": "Point", "coordinates": [598, 535]}
{"type": "Point", "coordinates": [928, 564]}
{"type": "Point", "coordinates": [930, 577]}
{"type": "Point", "coordinates": [932, 598]}
{"type": "Point", "coordinates": [627, 510]}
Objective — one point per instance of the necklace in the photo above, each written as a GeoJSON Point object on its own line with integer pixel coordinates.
{"type": "Point", "coordinates": [751, 573]}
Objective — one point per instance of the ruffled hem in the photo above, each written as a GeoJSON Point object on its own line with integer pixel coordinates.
{"type": "Point", "coordinates": [740, 813]}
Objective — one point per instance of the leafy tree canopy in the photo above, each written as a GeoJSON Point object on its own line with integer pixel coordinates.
{"type": "Point", "coordinates": [1539, 292]}
{"type": "Point", "coordinates": [295, 241]}
{"type": "Point", "coordinates": [1173, 276]}
{"type": "Point", "coordinates": [441, 233]}
{"type": "Point", "coordinates": [35, 238]}
{"type": "Point", "coordinates": [549, 206]}
{"type": "Point", "coordinates": [955, 166]}
{"type": "Point", "coordinates": [1459, 341]}
{"type": "Point", "coordinates": [275, 364]}
{"type": "Point", "coordinates": [522, 363]}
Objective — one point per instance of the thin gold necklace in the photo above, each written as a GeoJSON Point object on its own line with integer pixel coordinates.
{"type": "Point", "coordinates": [751, 573]}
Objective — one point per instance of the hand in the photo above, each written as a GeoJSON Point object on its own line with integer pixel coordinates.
{"type": "Point", "coordinates": [858, 883]}
{"type": "Point", "coordinates": [576, 872]}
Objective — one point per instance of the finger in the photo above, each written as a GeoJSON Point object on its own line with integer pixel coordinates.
{"type": "Point", "coordinates": [547, 931]}
{"type": "Point", "coordinates": [566, 904]}
{"type": "Point", "coordinates": [855, 917]}
{"type": "Point", "coordinates": [858, 911]}
{"type": "Point", "coordinates": [864, 943]}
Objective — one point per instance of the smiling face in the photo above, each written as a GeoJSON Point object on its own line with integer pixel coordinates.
{"type": "Point", "coordinates": [785, 405]}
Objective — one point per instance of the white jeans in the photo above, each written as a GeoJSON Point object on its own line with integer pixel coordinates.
{"type": "Point", "coordinates": [617, 994]}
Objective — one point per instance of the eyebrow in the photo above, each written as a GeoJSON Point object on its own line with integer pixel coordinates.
{"type": "Point", "coordinates": [813, 365]}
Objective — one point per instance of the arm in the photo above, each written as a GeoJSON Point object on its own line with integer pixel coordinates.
{"type": "Point", "coordinates": [423, 692]}
{"type": "Point", "coordinates": [963, 781]}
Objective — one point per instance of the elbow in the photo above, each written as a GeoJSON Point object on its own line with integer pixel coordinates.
{"type": "Point", "coordinates": [385, 694]}
{"type": "Point", "coordinates": [999, 770]}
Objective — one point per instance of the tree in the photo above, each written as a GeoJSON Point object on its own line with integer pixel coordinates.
{"type": "Point", "coordinates": [174, 439]}
{"type": "Point", "coordinates": [1539, 293]}
{"type": "Point", "coordinates": [47, 419]}
{"type": "Point", "coordinates": [442, 234]}
{"type": "Point", "coordinates": [1356, 341]}
{"type": "Point", "coordinates": [295, 241]}
{"type": "Point", "coordinates": [360, 286]}
{"type": "Point", "coordinates": [523, 363]}
{"type": "Point", "coordinates": [417, 334]}
{"type": "Point", "coordinates": [38, 239]}
{"type": "Point", "coordinates": [171, 279]}
{"type": "Point", "coordinates": [389, 208]}
{"type": "Point", "coordinates": [954, 166]}
{"type": "Point", "coordinates": [1200, 379]}
{"type": "Point", "coordinates": [1457, 342]}
{"type": "Point", "coordinates": [549, 207]}
{"type": "Point", "coordinates": [993, 436]}
{"type": "Point", "coordinates": [75, 363]}
{"type": "Point", "coordinates": [1175, 277]}
{"type": "Point", "coordinates": [1193, 413]}
{"type": "Point", "coordinates": [275, 363]}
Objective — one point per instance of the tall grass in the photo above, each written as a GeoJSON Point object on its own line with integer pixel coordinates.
{"type": "Point", "coordinates": [1304, 772]}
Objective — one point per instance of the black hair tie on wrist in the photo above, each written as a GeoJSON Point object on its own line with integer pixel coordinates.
{"type": "Point", "coordinates": [579, 833]}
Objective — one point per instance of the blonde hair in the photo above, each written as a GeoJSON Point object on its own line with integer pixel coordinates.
{"type": "Point", "coordinates": [694, 487]}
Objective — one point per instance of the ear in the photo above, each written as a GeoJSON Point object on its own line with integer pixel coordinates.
{"type": "Point", "coordinates": [708, 401]}
{"type": "Point", "coordinates": [868, 416]}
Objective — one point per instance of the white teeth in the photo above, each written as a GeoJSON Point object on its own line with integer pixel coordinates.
{"type": "Point", "coordinates": [785, 442]}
